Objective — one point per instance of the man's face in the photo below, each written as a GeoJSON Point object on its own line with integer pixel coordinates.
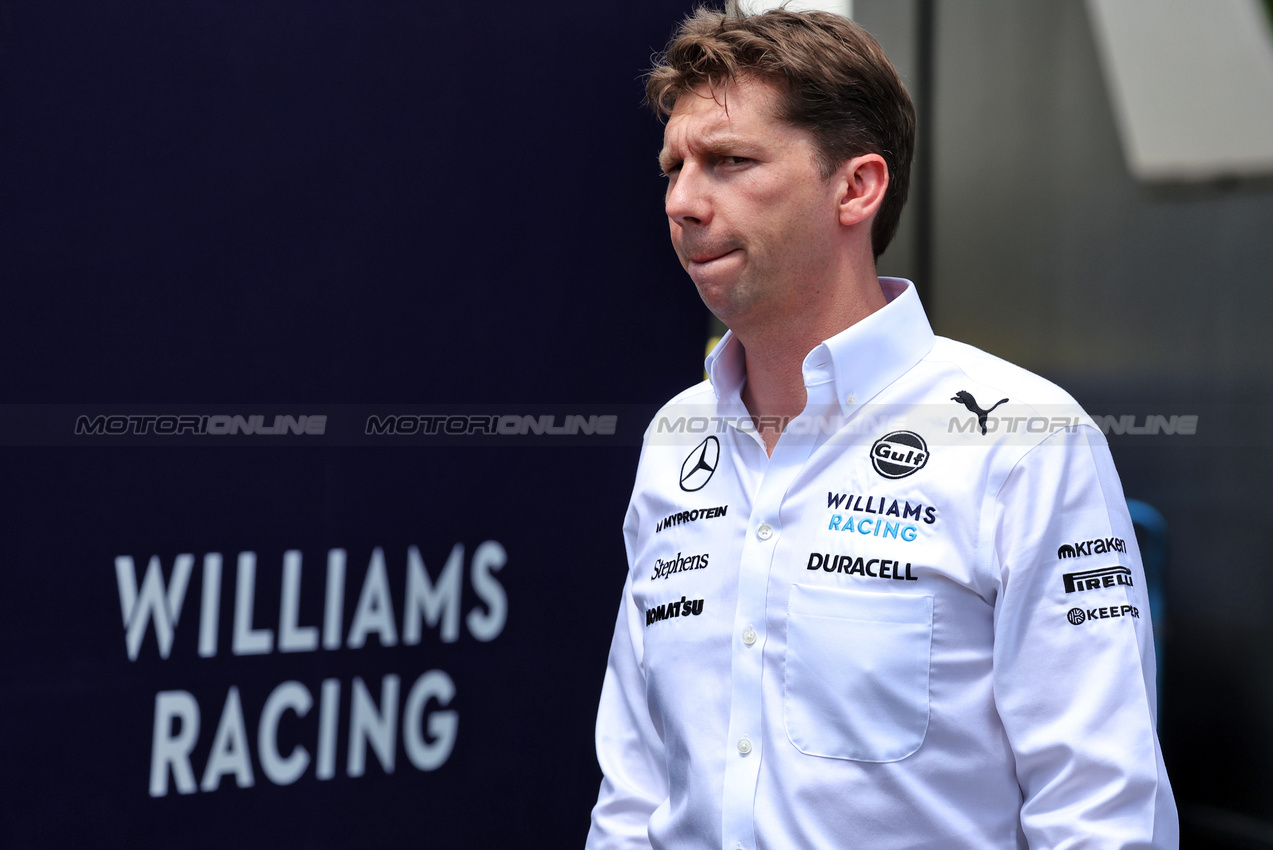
{"type": "Point", "coordinates": [751, 218]}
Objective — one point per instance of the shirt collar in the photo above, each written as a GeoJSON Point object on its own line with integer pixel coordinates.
{"type": "Point", "coordinates": [860, 360]}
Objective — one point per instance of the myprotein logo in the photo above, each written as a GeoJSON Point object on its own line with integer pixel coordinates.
{"type": "Point", "coordinates": [681, 608]}
{"type": "Point", "coordinates": [682, 517]}
{"type": "Point", "coordinates": [697, 469]}
{"type": "Point", "coordinates": [1099, 546]}
{"type": "Point", "coordinates": [1079, 616]}
{"type": "Point", "coordinates": [899, 454]}
{"type": "Point", "coordinates": [1096, 579]}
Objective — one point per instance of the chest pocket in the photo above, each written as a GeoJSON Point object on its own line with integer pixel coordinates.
{"type": "Point", "coordinates": [856, 677]}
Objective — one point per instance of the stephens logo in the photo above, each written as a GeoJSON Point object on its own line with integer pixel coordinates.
{"type": "Point", "coordinates": [1079, 616]}
{"type": "Point", "coordinates": [1096, 579]}
{"type": "Point", "coordinates": [681, 608]}
{"type": "Point", "coordinates": [1099, 546]}
{"type": "Point", "coordinates": [679, 564]}
{"type": "Point", "coordinates": [697, 469]}
{"type": "Point", "coordinates": [899, 454]}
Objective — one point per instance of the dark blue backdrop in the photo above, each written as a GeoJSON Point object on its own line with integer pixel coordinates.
{"type": "Point", "coordinates": [319, 203]}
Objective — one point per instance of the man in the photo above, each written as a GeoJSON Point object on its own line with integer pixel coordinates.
{"type": "Point", "coordinates": [889, 595]}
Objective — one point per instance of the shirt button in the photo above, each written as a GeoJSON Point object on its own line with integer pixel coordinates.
{"type": "Point", "coordinates": [764, 532]}
{"type": "Point", "coordinates": [744, 746]}
{"type": "Point", "coordinates": [749, 636]}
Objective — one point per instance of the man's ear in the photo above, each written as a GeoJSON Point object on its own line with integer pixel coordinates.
{"type": "Point", "coordinates": [863, 180]}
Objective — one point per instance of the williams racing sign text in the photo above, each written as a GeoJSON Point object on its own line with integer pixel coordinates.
{"type": "Point", "coordinates": [202, 741]}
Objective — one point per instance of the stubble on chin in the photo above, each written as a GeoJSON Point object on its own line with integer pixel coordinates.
{"type": "Point", "coordinates": [728, 301]}
{"type": "Point", "coordinates": [727, 294]}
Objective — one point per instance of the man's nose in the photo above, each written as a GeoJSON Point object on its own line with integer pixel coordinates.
{"type": "Point", "coordinates": [688, 199]}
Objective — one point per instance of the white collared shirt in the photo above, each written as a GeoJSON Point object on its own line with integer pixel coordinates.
{"type": "Point", "coordinates": [921, 623]}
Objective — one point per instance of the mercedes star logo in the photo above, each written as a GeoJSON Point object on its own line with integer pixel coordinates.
{"type": "Point", "coordinates": [699, 466]}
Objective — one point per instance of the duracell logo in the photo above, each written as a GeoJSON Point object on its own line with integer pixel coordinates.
{"type": "Point", "coordinates": [871, 568]}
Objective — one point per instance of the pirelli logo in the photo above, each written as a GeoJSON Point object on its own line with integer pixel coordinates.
{"type": "Point", "coordinates": [1096, 579]}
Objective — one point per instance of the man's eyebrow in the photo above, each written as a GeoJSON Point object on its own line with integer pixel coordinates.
{"type": "Point", "coordinates": [723, 144]}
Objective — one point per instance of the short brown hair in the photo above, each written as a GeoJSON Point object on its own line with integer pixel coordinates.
{"type": "Point", "coordinates": [835, 81]}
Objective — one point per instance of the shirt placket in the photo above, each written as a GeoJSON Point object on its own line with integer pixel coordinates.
{"type": "Point", "coordinates": [745, 744]}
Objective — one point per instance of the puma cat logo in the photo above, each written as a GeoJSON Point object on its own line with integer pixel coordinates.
{"type": "Point", "coordinates": [965, 398]}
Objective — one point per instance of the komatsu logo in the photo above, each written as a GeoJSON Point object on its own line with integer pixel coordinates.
{"type": "Point", "coordinates": [1099, 546]}
{"type": "Point", "coordinates": [681, 608]}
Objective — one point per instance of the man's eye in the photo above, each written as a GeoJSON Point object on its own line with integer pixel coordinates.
{"type": "Point", "coordinates": [734, 160]}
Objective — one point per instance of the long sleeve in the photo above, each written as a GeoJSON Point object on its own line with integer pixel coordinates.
{"type": "Point", "coordinates": [1074, 653]}
{"type": "Point", "coordinates": [629, 747]}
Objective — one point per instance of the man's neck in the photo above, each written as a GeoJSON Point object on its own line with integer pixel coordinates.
{"type": "Point", "coordinates": [774, 392]}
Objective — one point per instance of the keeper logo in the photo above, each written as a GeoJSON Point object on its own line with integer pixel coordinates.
{"type": "Point", "coordinates": [1079, 616]}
